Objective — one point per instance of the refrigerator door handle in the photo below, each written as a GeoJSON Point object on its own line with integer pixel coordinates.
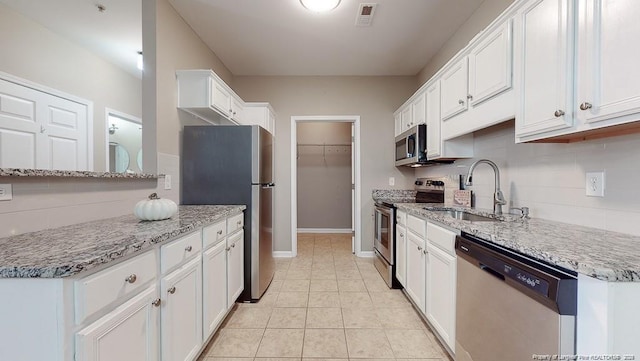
{"type": "Point", "coordinates": [268, 185]}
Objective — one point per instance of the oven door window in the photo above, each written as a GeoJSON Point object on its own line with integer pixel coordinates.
{"type": "Point", "coordinates": [412, 148]}
{"type": "Point", "coordinates": [401, 149]}
{"type": "Point", "coordinates": [384, 230]}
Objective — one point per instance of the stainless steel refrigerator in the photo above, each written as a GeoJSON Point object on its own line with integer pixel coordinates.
{"type": "Point", "coordinates": [234, 165]}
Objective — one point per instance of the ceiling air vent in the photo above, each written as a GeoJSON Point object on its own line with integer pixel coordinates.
{"type": "Point", "coordinates": [365, 14]}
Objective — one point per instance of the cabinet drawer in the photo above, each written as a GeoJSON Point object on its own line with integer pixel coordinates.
{"type": "Point", "coordinates": [401, 218]}
{"type": "Point", "coordinates": [213, 234]}
{"type": "Point", "coordinates": [100, 289]}
{"type": "Point", "coordinates": [442, 238]}
{"type": "Point", "coordinates": [235, 223]}
{"type": "Point", "coordinates": [416, 225]}
{"type": "Point", "coordinates": [178, 251]}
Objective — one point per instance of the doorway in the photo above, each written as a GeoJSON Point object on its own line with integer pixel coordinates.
{"type": "Point", "coordinates": [124, 142]}
{"type": "Point", "coordinates": [324, 148]}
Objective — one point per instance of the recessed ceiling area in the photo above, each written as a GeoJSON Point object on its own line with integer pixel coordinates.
{"type": "Point", "coordinates": [282, 38]}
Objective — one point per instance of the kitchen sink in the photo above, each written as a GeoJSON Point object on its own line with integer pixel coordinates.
{"type": "Point", "coordinates": [462, 215]}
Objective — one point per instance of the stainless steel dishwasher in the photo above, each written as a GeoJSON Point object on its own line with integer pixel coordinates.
{"type": "Point", "coordinates": [510, 306]}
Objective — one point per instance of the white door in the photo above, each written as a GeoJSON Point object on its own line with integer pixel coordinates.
{"type": "Point", "coordinates": [416, 270]}
{"type": "Point", "coordinates": [608, 72]}
{"type": "Point", "coordinates": [214, 287]}
{"type": "Point", "coordinates": [454, 93]}
{"type": "Point", "coordinates": [490, 67]}
{"type": "Point", "coordinates": [401, 255]}
{"type": "Point", "coordinates": [544, 66]}
{"type": "Point", "coordinates": [181, 316]}
{"type": "Point", "coordinates": [432, 100]}
{"type": "Point", "coordinates": [235, 270]}
{"type": "Point", "coordinates": [128, 333]}
{"type": "Point", "coordinates": [441, 293]}
{"type": "Point", "coordinates": [42, 131]}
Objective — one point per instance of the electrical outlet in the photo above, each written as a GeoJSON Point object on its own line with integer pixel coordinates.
{"type": "Point", "coordinates": [392, 181]}
{"type": "Point", "coordinates": [6, 192]}
{"type": "Point", "coordinates": [167, 182]}
{"type": "Point", "coordinates": [595, 184]}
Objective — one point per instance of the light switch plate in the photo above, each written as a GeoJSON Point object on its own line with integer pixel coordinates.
{"type": "Point", "coordinates": [595, 184]}
{"type": "Point", "coordinates": [6, 192]}
{"type": "Point", "coordinates": [167, 182]}
{"type": "Point", "coordinates": [392, 181]}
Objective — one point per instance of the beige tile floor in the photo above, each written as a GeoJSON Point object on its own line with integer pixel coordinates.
{"type": "Point", "coordinates": [325, 304]}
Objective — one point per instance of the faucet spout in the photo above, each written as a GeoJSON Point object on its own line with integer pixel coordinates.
{"type": "Point", "coordinates": [498, 197]}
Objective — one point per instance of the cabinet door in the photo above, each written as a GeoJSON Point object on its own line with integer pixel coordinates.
{"type": "Point", "coordinates": [181, 315]}
{"type": "Point", "coordinates": [544, 66]}
{"type": "Point", "coordinates": [214, 287]}
{"type": "Point", "coordinates": [406, 114]}
{"type": "Point", "coordinates": [416, 270]}
{"type": "Point", "coordinates": [236, 110]}
{"type": "Point", "coordinates": [454, 89]}
{"type": "Point", "coordinates": [441, 293]}
{"type": "Point", "coordinates": [401, 255]}
{"type": "Point", "coordinates": [418, 110]}
{"type": "Point", "coordinates": [220, 98]}
{"type": "Point", "coordinates": [271, 123]}
{"type": "Point", "coordinates": [235, 267]}
{"type": "Point", "coordinates": [432, 100]}
{"type": "Point", "coordinates": [608, 72]}
{"type": "Point", "coordinates": [490, 65]}
{"type": "Point", "coordinates": [397, 121]}
{"type": "Point", "coordinates": [128, 333]}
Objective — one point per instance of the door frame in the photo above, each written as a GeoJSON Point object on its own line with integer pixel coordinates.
{"type": "Point", "coordinates": [357, 207]}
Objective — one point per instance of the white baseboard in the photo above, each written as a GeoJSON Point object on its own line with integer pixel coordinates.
{"type": "Point", "coordinates": [366, 254]}
{"type": "Point", "coordinates": [324, 230]}
{"type": "Point", "coordinates": [283, 254]}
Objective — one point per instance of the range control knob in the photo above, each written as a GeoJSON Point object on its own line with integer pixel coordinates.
{"type": "Point", "coordinates": [419, 183]}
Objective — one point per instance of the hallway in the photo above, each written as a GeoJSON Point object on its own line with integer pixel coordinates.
{"type": "Point", "coordinates": [328, 304]}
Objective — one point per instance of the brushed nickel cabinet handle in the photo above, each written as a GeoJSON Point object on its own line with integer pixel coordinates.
{"type": "Point", "coordinates": [585, 106]}
{"type": "Point", "coordinates": [419, 248]}
{"type": "Point", "coordinates": [220, 232]}
{"type": "Point", "coordinates": [233, 245]}
{"type": "Point", "coordinates": [469, 96]}
{"type": "Point", "coordinates": [228, 249]}
{"type": "Point", "coordinates": [188, 248]}
{"type": "Point", "coordinates": [558, 113]}
{"type": "Point", "coordinates": [172, 290]}
{"type": "Point", "coordinates": [131, 279]}
{"type": "Point", "coordinates": [156, 302]}
{"type": "Point", "coordinates": [461, 102]}
{"type": "Point", "coordinates": [424, 251]}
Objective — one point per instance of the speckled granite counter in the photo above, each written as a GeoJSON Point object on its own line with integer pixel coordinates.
{"type": "Point", "coordinates": [22, 172]}
{"type": "Point", "coordinates": [600, 254]}
{"type": "Point", "coordinates": [66, 251]}
{"type": "Point", "coordinates": [394, 195]}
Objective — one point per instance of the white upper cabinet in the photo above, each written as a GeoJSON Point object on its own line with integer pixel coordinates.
{"type": "Point", "coordinates": [406, 115]}
{"type": "Point", "coordinates": [608, 57]}
{"type": "Point", "coordinates": [432, 101]}
{"type": "Point", "coordinates": [544, 63]}
{"type": "Point", "coordinates": [418, 110]}
{"type": "Point", "coordinates": [261, 114]}
{"type": "Point", "coordinates": [220, 97]}
{"type": "Point", "coordinates": [490, 65]}
{"type": "Point", "coordinates": [577, 69]}
{"type": "Point", "coordinates": [397, 123]}
{"type": "Point", "coordinates": [454, 89]}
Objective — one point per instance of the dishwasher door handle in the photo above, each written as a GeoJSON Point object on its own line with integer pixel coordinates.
{"type": "Point", "coordinates": [491, 271]}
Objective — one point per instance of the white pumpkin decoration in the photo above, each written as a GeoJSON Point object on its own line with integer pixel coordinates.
{"type": "Point", "coordinates": [155, 208]}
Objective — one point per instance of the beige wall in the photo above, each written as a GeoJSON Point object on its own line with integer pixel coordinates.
{"type": "Point", "coordinates": [550, 178]}
{"type": "Point", "coordinates": [374, 99]}
{"type": "Point", "coordinates": [483, 16]}
{"type": "Point", "coordinates": [324, 175]}
{"type": "Point", "coordinates": [32, 52]}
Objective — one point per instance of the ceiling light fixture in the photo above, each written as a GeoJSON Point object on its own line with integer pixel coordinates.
{"type": "Point", "coordinates": [320, 6]}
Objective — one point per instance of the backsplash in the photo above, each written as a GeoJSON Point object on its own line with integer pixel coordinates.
{"type": "Point", "coordinates": [550, 178]}
{"type": "Point", "coordinates": [48, 202]}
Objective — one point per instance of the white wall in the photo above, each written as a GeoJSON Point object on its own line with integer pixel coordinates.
{"type": "Point", "coordinates": [324, 175]}
{"type": "Point", "coordinates": [550, 178]}
{"type": "Point", "coordinates": [33, 52]}
{"type": "Point", "coordinates": [374, 99]}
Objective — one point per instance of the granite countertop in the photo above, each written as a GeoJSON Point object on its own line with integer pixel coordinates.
{"type": "Point", "coordinates": [69, 250]}
{"type": "Point", "coordinates": [605, 255]}
{"type": "Point", "coordinates": [24, 172]}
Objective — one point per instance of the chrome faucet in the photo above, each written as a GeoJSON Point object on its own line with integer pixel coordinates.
{"type": "Point", "coordinates": [498, 198]}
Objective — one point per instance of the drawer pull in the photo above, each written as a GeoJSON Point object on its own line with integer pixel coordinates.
{"type": "Point", "coordinates": [585, 106]}
{"type": "Point", "coordinates": [239, 222]}
{"type": "Point", "coordinates": [424, 251]}
{"type": "Point", "coordinates": [131, 279]}
{"type": "Point", "coordinates": [558, 113]}
{"type": "Point", "coordinates": [419, 248]}
{"type": "Point", "coordinates": [172, 290]}
{"type": "Point", "coordinates": [228, 249]}
{"type": "Point", "coordinates": [220, 232]}
{"type": "Point", "coordinates": [156, 302]}
{"type": "Point", "coordinates": [401, 235]}
{"type": "Point", "coordinates": [188, 248]}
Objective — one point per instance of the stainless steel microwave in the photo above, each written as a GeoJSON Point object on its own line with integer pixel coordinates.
{"type": "Point", "coordinates": [411, 146]}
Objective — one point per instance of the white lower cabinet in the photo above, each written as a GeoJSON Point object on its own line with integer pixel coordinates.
{"type": "Point", "coordinates": [415, 285]}
{"type": "Point", "coordinates": [441, 293]}
{"type": "Point", "coordinates": [181, 316]}
{"type": "Point", "coordinates": [128, 333]}
{"type": "Point", "coordinates": [235, 267]}
{"type": "Point", "coordinates": [401, 255]}
{"type": "Point", "coordinates": [214, 287]}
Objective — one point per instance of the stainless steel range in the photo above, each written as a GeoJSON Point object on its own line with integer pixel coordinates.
{"type": "Point", "coordinates": [428, 191]}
